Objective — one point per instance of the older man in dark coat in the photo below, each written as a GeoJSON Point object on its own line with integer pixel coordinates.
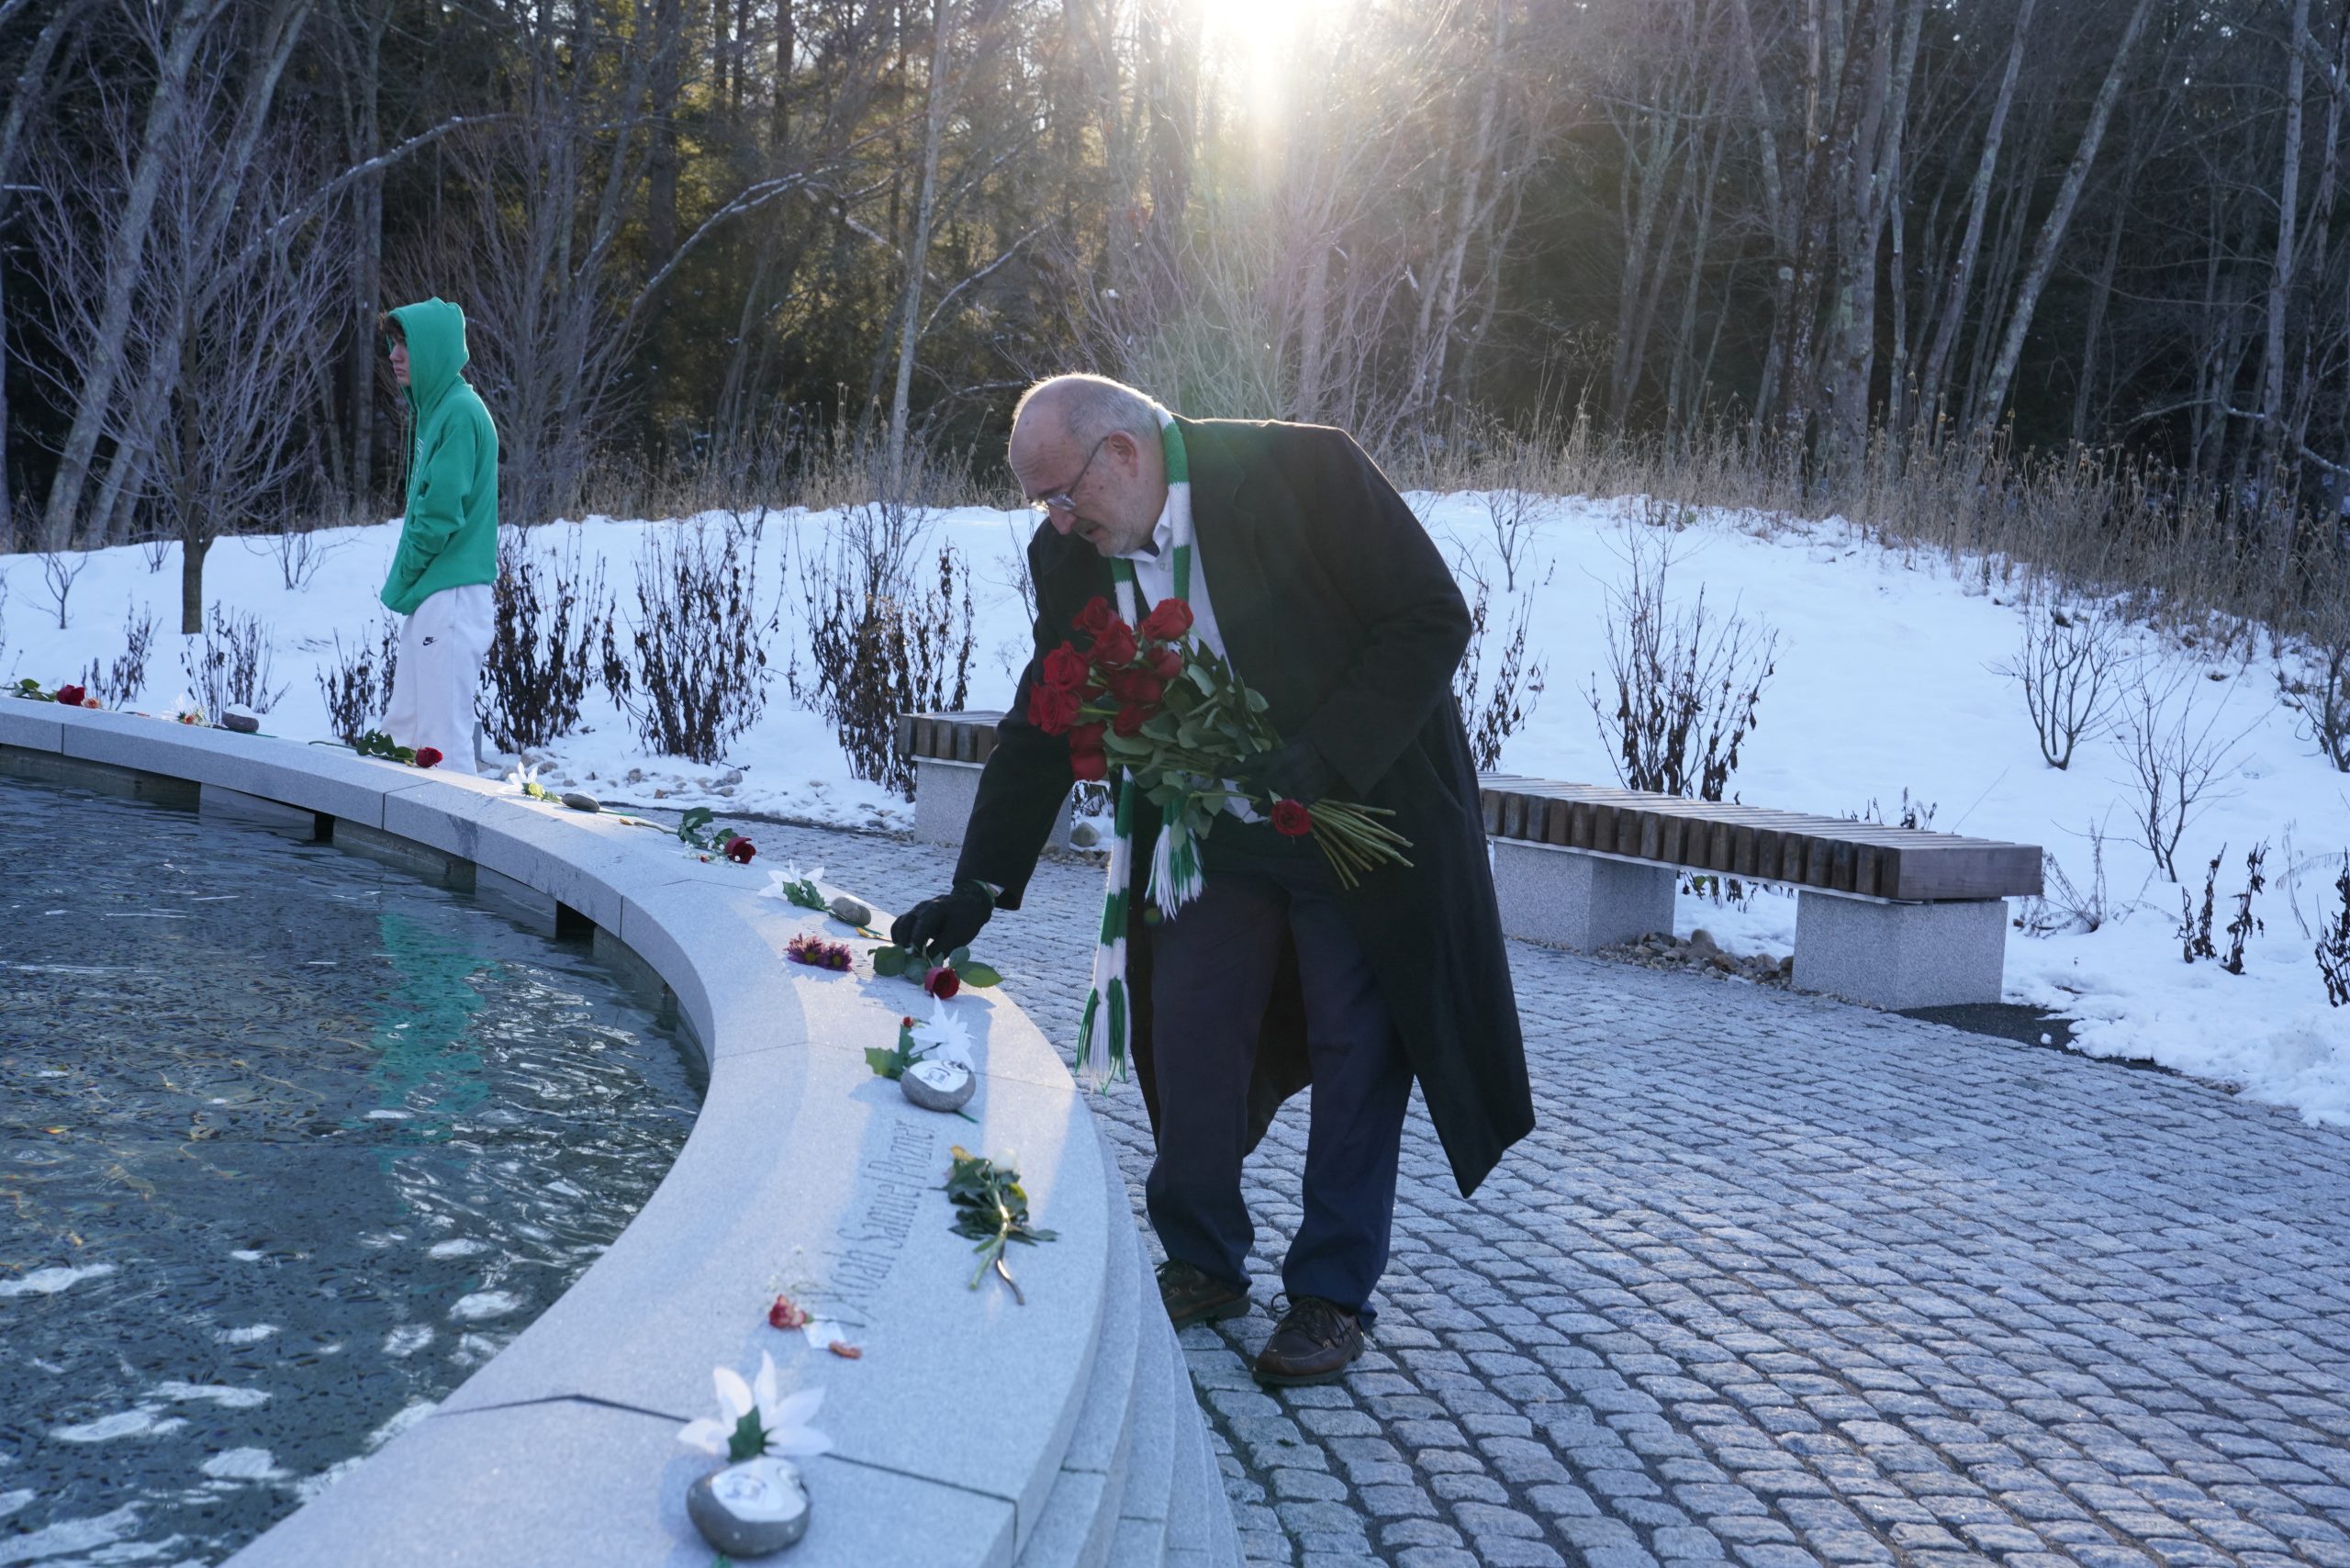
{"type": "Point", "coordinates": [1311, 574]}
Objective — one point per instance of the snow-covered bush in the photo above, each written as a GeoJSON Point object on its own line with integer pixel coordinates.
{"type": "Point", "coordinates": [2069, 667]}
{"type": "Point", "coordinates": [701, 673]}
{"type": "Point", "coordinates": [2317, 686]}
{"type": "Point", "coordinates": [1686, 686]}
{"type": "Point", "coordinates": [227, 665]}
{"type": "Point", "coordinates": [553, 617]}
{"type": "Point", "coordinates": [1493, 710]}
{"type": "Point", "coordinates": [2176, 754]}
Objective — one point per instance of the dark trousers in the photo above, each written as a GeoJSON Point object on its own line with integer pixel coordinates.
{"type": "Point", "coordinates": [1212, 973]}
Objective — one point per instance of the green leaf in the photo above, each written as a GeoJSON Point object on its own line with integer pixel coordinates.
{"type": "Point", "coordinates": [1200, 676]}
{"type": "Point", "coordinates": [749, 1439]}
{"type": "Point", "coordinates": [884, 1060]}
{"type": "Point", "coordinates": [959, 957]}
{"type": "Point", "coordinates": [888, 961]}
{"type": "Point", "coordinates": [979, 974]}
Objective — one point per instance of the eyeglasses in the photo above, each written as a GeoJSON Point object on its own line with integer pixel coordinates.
{"type": "Point", "coordinates": [1065, 500]}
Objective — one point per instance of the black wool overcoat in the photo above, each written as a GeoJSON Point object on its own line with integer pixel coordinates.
{"type": "Point", "coordinates": [1334, 603]}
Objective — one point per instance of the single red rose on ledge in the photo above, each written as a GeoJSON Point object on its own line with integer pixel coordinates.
{"type": "Point", "coordinates": [72, 696]}
{"type": "Point", "coordinates": [1169, 620]}
{"type": "Point", "coordinates": [427, 756]}
{"type": "Point", "coordinates": [1065, 667]}
{"type": "Point", "coordinates": [1291, 818]}
{"type": "Point", "coordinates": [942, 982]}
{"type": "Point", "coordinates": [1115, 645]}
{"type": "Point", "coordinates": [740, 851]}
{"type": "Point", "coordinates": [1095, 618]}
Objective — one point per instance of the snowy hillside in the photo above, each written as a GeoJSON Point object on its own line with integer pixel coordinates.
{"type": "Point", "coordinates": [1887, 680]}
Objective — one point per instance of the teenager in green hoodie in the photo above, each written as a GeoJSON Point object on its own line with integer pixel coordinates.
{"type": "Point", "coordinates": [447, 559]}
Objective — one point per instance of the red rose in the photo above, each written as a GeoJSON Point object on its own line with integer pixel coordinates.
{"type": "Point", "coordinates": [1136, 686]}
{"type": "Point", "coordinates": [1169, 620]}
{"type": "Point", "coordinates": [1052, 709]}
{"type": "Point", "coordinates": [1130, 719]}
{"type": "Point", "coordinates": [740, 851]}
{"type": "Point", "coordinates": [1065, 667]}
{"type": "Point", "coordinates": [427, 756]}
{"type": "Point", "coordinates": [1086, 737]}
{"type": "Point", "coordinates": [1092, 766]}
{"type": "Point", "coordinates": [786, 1314]}
{"type": "Point", "coordinates": [942, 982]}
{"type": "Point", "coordinates": [1292, 818]}
{"type": "Point", "coordinates": [1095, 618]}
{"type": "Point", "coordinates": [1115, 645]}
{"type": "Point", "coordinates": [1166, 662]}
{"type": "Point", "coordinates": [70, 695]}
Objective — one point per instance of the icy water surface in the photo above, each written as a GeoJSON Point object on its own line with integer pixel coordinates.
{"type": "Point", "coordinates": [290, 1142]}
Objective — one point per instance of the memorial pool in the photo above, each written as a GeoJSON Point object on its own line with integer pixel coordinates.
{"type": "Point", "coordinates": [290, 1143]}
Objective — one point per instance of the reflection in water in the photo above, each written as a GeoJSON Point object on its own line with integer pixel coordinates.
{"type": "Point", "coordinates": [289, 1143]}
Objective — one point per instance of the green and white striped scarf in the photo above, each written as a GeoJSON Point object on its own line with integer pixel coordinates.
{"type": "Point", "coordinates": [1175, 876]}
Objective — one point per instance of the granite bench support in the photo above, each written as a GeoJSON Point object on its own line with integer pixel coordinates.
{"type": "Point", "coordinates": [948, 750]}
{"type": "Point", "coordinates": [1064, 1434]}
{"type": "Point", "coordinates": [1892, 917]}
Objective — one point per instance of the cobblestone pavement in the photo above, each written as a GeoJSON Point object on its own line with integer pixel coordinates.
{"type": "Point", "coordinates": [1784, 1282]}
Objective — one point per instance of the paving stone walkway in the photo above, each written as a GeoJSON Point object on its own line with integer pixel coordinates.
{"type": "Point", "coordinates": [1784, 1282]}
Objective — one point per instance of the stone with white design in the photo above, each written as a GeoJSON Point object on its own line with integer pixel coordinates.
{"type": "Point", "coordinates": [939, 1085]}
{"type": "Point", "coordinates": [750, 1509]}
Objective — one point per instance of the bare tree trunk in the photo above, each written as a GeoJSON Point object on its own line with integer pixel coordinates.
{"type": "Point", "coordinates": [660, 129]}
{"type": "Point", "coordinates": [918, 254]}
{"type": "Point", "coordinates": [2280, 277]}
{"type": "Point", "coordinates": [192, 20]}
{"type": "Point", "coordinates": [1994, 400]}
{"type": "Point", "coordinates": [1933, 378]}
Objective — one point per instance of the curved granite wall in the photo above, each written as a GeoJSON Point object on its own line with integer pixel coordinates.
{"type": "Point", "coordinates": [972, 1431]}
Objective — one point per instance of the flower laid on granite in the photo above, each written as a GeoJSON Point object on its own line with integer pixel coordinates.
{"type": "Point", "coordinates": [943, 1038]}
{"type": "Point", "coordinates": [786, 1314]}
{"type": "Point", "coordinates": [185, 710]}
{"type": "Point", "coordinates": [756, 1421]}
{"type": "Point", "coordinates": [525, 777]}
{"type": "Point", "coordinates": [72, 696]}
{"type": "Point", "coordinates": [376, 743]}
{"type": "Point", "coordinates": [891, 1062]}
{"type": "Point", "coordinates": [941, 974]}
{"type": "Point", "coordinates": [993, 1210]}
{"type": "Point", "coordinates": [794, 886]}
{"type": "Point", "coordinates": [427, 756]}
{"type": "Point", "coordinates": [818, 954]}
{"type": "Point", "coordinates": [694, 828]}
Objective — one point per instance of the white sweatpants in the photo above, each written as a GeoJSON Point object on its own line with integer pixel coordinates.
{"type": "Point", "coordinates": [443, 648]}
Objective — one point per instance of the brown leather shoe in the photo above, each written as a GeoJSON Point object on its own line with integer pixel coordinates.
{"type": "Point", "coordinates": [1315, 1341]}
{"type": "Point", "coordinates": [1193, 1295]}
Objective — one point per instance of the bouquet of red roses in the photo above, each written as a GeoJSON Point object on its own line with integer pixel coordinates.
{"type": "Point", "coordinates": [1172, 712]}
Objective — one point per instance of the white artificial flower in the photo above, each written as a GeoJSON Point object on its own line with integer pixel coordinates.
{"type": "Point", "coordinates": [523, 776]}
{"type": "Point", "coordinates": [777, 883]}
{"type": "Point", "coordinates": [792, 873]}
{"type": "Point", "coordinates": [181, 704]}
{"type": "Point", "coordinates": [944, 1037]}
{"type": "Point", "coordinates": [782, 1423]}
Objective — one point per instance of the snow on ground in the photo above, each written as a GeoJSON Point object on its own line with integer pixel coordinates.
{"type": "Point", "coordinates": [1887, 680]}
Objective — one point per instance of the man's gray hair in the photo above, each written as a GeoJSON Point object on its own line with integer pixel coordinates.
{"type": "Point", "coordinates": [1095, 407]}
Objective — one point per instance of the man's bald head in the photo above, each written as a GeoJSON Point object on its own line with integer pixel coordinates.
{"type": "Point", "coordinates": [1094, 441]}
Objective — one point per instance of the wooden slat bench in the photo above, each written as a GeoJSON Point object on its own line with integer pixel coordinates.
{"type": "Point", "coordinates": [1897, 917]}
{"type": "Point", "coordinates": [948, 751]}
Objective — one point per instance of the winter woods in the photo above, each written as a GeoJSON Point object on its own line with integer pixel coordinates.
{"type": "Point", "coordinates": [1826, 235]}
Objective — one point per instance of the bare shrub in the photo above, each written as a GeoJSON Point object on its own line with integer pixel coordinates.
{"type": "Point", "coordinates": [2176, 754]}
{"type": "Point", "coordinates": [2315, 684]}
{"type": "Point", "coordinates": [1514, 516]}
{"type": "Point", "coordinates": [1919, 814]}
{"type": "Point", "coordinates": [877, 649]}
{"type": "Point", "coordinates": [127, 676]}
{"type": "Point", "coordinates": [2245, 922]}
{"type": "Point", "coordinates": [358, 686]}
{"type": "Point", "coordinates": [2066, 906]}
{"type": "Point", "coordinates": [1493, 710]}
{"type": "Point", "coordinates": [227, 665]}
{"type": "Point", "coordinates": [2194, 929]}
{"type": "Point", "coordinates": [699, 677]}
{"type": "Point", "coordinates": [2334, 944]}
{"type": "Point", "coordinates": [58, 570]}
{"type": "Point", "coordinates": [298, 554]}
{"type": "Point", "coordinates": [1687, 687]}
{"type": "Point", "coordinates": [2069, 669]}
{"type": "Point", "coordinates": [552, 618]}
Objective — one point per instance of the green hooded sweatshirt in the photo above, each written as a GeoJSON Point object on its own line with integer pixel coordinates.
{"type": "Point", "coordinates": [450, 537]}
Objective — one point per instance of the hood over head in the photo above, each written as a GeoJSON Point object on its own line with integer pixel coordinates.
{"type": "Point", "coordinates": [435, 329]}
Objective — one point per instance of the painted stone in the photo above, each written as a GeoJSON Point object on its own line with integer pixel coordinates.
{"type": "Point", "coordinates": [579, 803]}
{"type": "Point", "coordinates": [939, 1085]}
{"type": "Point", "coordinates": [750, 1509]}
{"type": "Point", "coordinates": [845, 908]}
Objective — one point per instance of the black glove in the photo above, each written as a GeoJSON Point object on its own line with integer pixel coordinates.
{"type": "Point", "coordinates": [946, 921]}
{"type": "Point", "coordinates": [1295, 772]}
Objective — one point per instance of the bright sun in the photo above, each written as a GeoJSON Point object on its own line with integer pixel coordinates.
{"type": "Point", "coordinates": [1257, 42]}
